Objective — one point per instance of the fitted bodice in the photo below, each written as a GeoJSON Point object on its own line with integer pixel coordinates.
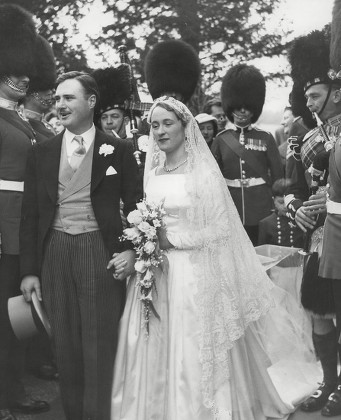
{"type": "Point", "coordinates": [171, 188]}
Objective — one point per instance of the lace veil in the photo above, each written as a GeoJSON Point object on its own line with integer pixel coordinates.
{"type": "Point", "coordinates": [233, 289]}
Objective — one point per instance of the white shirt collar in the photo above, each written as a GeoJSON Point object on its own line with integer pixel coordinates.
{"type": "Point", "coordinates": [88, 136]}
{"type": "Point", "coordinates": [71, 146]}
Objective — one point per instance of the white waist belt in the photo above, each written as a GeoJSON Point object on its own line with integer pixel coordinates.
{"type": "Point", "coordinates": [245, 183]}
{"type": "Point", "coordinates": [333, 207]}
{"type": "Point", "coordinates": [11, 185]}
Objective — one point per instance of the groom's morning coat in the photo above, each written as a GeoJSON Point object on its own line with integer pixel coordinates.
{"type": "Point", "coordinates": [41, 195]}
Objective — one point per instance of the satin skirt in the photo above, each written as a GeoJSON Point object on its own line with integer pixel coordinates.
{"type": "Point", "coordinates": [159, 377]}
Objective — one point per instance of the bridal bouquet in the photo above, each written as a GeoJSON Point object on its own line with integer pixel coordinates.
{"type": "Point", "coordinates": [144, 223]}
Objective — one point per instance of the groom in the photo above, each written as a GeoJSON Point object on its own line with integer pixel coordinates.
{"type": "Point", "coordinates": [70, 229]}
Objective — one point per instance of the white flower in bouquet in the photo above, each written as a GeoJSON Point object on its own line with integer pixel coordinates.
{"type": "Point", "coordinates": [151, 233]}
{"type": "Point", "coordinates": [135, 217]}
{"type": "Point", "coordinates": [144, 227]}
{"type": "Point", "coordinates": [142, 206]}
{"type": "Point", "coordinates": [140, 266]}
{"type": "Point", "coordinates": [156, 223]}
{"type": "Point", "coordinates": [132, 234]}
{"type": "Point", "coordinates": [149, 247]}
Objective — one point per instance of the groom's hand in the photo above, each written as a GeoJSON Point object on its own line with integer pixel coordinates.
{"type": "Point", "coordinates": [28, 285]}
{"type": "Point", "coordinates": [123, 264]}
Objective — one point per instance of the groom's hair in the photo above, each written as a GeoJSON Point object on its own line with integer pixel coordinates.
{"type": "Point", "coordinates": [86, 80]}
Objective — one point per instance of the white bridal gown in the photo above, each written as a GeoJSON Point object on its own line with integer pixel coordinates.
{"type": "Point", "coordinates": [158, 378]}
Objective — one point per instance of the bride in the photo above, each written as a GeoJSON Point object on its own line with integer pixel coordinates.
{"type": "Point", "coordinates": [226, 345]}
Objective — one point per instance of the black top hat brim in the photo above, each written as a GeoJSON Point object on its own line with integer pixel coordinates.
{"type": "Point", "coordinates": [172, 66]}
{"type": "Point", "coordinates": [17, 41]}
{"type": "Point", "coordinates": [243, 86]}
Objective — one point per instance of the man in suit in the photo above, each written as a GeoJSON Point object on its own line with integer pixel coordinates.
{"type": "Point", "coordinates": [70, 229]}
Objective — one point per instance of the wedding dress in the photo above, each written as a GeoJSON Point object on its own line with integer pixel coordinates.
{"type": "Point", "coordinates": [227, 345]}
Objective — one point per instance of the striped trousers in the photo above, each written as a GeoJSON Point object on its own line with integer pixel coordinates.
{"type": "Point", "coordinates": [84, 303]}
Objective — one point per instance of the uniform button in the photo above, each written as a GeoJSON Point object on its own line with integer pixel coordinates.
{"type": "Point", "coordinates": [243, 161]}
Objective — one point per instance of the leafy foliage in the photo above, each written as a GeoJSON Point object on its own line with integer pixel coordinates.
{"type": "Point", "coordinates": [224, 32]}
{"type": "Point", "coordinates": [49, 15]}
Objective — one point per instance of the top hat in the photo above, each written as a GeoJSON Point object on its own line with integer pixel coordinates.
{"type": "Point", "coordinates": [28, 318]}
{"type": "Point", "coordinates": [243, 86]}
{"type": "Point", "coordinates": [17, 41]}
{"type": "Point", "coordinates": [172, 66]}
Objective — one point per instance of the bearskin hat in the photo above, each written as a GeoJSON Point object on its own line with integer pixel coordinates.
{"type": "Point", "coordinates": [17, 41]}
{"type": "Point", "coordinates": [114, 87]}
{"type": "Point", "coordinates": [172, 66]}
{"type": "Point", "coordinates": [335, 44]}
{"type": "Point", "coordinates": [243, 86]}
{"type": "Point", "coordinates": [45, 77]}
{"type": "Point", "coordinates": [309, 58]}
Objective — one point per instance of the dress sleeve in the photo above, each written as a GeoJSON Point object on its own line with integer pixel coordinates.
{"type": "Point", "coordinates": [214, 227]}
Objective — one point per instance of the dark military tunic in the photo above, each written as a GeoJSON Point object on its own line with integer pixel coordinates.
{"type": "Point", "coordinates": [16, 139]}
{"type": "Point", "coordinates": [257, 158]}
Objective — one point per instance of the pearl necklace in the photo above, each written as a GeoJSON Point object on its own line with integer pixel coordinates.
{"type": "Point", "coordinates": [176, 167]}
{"type": "Point", "coordinates": [279, 233]}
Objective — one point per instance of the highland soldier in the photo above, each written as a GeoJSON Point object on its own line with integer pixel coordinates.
{"type": "Point", "coordinates": [248, 157]}
{"type": "Point", "coordinates": [114, 88]}
{"type": "Point", "coordinates": [330, 266]}
{"type": "Point", "coordinates": [116, 109]}
{"type": "Point", "coordinates": [310, 70]}
{"type": "Point", "coordinates": [17, 45]}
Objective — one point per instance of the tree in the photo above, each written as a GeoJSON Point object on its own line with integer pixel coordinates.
{"type": "Point", "coordinates": [50, 15]}
{"type": "Point", "coordinates": [224, 32]}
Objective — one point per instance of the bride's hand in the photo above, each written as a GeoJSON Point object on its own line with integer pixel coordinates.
{"type": "Point", "coordinates": [163, 240]}
{"type": "Point", "coordinates": [123, 264]}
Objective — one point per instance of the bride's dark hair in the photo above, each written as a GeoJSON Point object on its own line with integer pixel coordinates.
{"type": "Point", "coordinates": [175, 111]}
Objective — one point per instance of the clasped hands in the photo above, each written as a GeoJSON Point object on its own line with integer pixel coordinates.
{"type": "Point", "coordinates": [123, 263]}
{"type": "Point", "coordinates": [305, 217]}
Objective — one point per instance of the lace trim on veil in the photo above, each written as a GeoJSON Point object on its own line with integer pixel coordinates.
{"type": "Point", "coordinates": [233, 289]}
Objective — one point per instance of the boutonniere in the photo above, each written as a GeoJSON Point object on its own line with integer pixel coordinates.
{"type": "Point", "coordinates": [106, 149]}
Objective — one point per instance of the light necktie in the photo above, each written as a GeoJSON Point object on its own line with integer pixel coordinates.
{"type": "Point", "coordinates": [78, 154]}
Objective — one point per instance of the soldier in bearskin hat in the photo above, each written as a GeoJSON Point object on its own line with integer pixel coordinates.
{"type": "Point", "coordinates": [309, 59]}
{"type": "Point", "coordinates": [172, 68]}
{"type": "Point", "coordinates": [39, 98]}
{"type": "Point", "coordinates": [17, 45]}
{"type": "Point", "coordinates": [246, 155]}
{"type": "Point", "coordinates": [37, 102]}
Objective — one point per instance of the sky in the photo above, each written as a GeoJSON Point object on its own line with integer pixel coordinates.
{"type": "Point", "coordinates": [300, 15]}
